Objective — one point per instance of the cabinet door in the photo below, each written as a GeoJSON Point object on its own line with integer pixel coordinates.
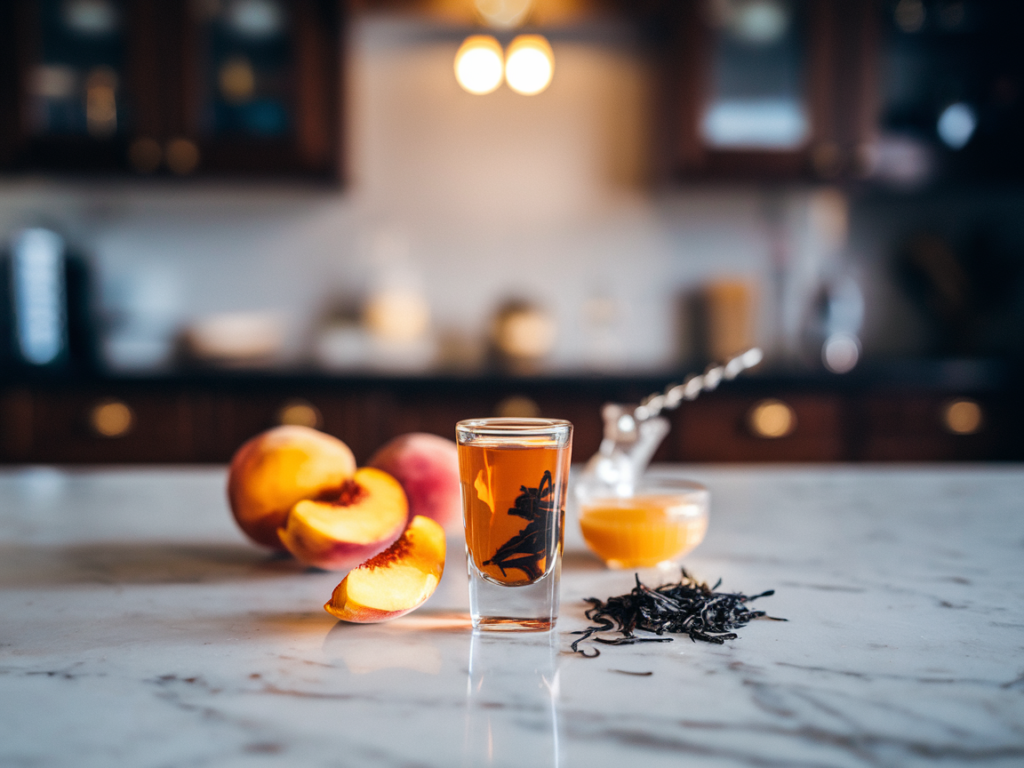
{"type": "Point", "coordinates": [95, 426]}
{"type": "Point", "coordinates": [935, 427]}
{"type": "Point", "coordinates": [797, 427]}
{"type": "Point", "coordinates": [67, 104]}
{"type": "Point", "coordinates": [172, 87]}
{"type": "Point", "coordinates": [770, 89]}
{"type": "Point", "coordinates": [951, 104]}
{"type": "Point", "coordinates": [259, 89]}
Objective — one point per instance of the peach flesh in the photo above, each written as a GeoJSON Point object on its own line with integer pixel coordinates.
{"type": "Point", "coordinates": [396, 581]}
{"type": "Point", "coordinates": [278, 468]}
{"type": "Point", "coordinates": [341, 529]}
{"type": "Point", "coordinates": [427, 466]}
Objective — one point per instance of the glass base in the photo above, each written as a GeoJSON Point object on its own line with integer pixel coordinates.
{"type": "Point", "coordinates": [524, 608]}
{"type": "Point", "coordinates": [507, 624]}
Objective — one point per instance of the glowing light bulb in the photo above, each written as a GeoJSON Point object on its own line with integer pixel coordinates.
{"type": "Point", "coordinates": [478, 64]}
{"type": "Point", "coordinates": [530, 64]}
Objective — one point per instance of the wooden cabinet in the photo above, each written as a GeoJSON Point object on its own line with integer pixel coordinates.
{"type": "Point", "coordinates": [807, 427]}
{"type": "Point", "coordinates": [751, 420]}
{"type": "Point", "coordinates": [951, 97]}
{"type": "Point", "coordinates": [71, 426]}
{"type": "Point", "coordinates": [934, 427]}
{"type": "Point", "coordinates": [171, 87]}
{"type": "Point", "coordinates": [904, 94]}
{"type": "Point", "coordinates": [772, 90]}
{"type": "Point", "coordinates": [207, 423]}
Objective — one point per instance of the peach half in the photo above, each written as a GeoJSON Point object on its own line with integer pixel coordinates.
{"type": "Point", "coordinates": [278, 468]}
{"type": "Point", "coordinates": [396, 581]}
{"type": "Point", "coordinates": [427, 466]}
{"type": "Point", "coordinates": [344, 527]}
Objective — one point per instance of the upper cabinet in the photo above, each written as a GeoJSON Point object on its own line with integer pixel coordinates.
{"type": "Point", "coordinates": [771, 89]}
{"type": "Point", "coordinates": [173, 87]}
{"type": "Point", "coordinates": [951, 101]}
{"type": "Point", "coordinates": [906, 93]}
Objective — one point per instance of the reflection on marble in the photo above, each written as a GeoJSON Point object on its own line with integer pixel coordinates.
{"type": "Point", "coordinates": [137, 627]}
{"type": "Point", "coordinates": [506, 701]}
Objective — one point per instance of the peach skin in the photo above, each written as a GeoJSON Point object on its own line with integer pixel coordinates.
{"type": "Point", "coordinates": [396, 581]}
{"type": "Point", "coordinates": [341, 529]}
{"type": "Point", "coordinates": [427, 466]}
{"type": "Point", "coordinates": [278, 468]}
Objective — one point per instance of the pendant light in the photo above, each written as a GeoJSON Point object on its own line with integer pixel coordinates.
{"type": "Point", "coordinates": [529, 64]}
{"type": "Point", "coordinates": [479, 64]}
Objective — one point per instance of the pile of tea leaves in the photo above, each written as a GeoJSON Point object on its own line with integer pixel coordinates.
{"type": "Point", "coordinates": [689, 607]}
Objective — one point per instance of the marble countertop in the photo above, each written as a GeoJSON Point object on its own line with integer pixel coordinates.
{"type": "Point", "coordinates": [138, 628]}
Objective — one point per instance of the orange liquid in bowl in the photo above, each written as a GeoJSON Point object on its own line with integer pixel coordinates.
{"type": "Point", "coordinates": [643, 531]}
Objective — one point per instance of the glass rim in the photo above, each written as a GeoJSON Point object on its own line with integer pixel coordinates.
{"type": "Point", "coordinates": [511, 426]}
{"type": "Point", "coordinates": [649, 485]}
{"type": "Point", "coordinates": [676, 483]}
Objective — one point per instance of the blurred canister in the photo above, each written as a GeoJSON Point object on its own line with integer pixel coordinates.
{"type": "Point", "coordinates": [523, 334]}
{"type": "Point", "coordinates": [727, 317]}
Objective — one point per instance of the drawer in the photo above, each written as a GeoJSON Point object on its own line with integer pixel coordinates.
{"type": "Point", "coordinates": [102, 426]}
{"type": "Point", "coordinates": [224, 420]}
{"type": "Point", "coordinates": [932, 428]}
{"type": "Point", "coordinates": [797, 427]}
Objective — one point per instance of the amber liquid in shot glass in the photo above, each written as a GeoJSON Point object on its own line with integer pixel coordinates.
{"type": "Point", "coordinates": [514, 474]}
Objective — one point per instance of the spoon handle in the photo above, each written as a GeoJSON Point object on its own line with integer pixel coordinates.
{"type": "Point", "coordinates": [696, 383]}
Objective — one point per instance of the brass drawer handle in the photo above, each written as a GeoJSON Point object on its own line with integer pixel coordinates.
{"type": "Point", "coordinates": [300, 413]}
{"type": "Point", "coordinates": [517, 407]}
{"type": "Point", "coordinates": [111, 418]}
{"type": "Point", "coordinates": [771, 419]}
{"type": "Point", "coordinates": [962, 416]}
{"type": "Point", "coordinates": [182, 156]}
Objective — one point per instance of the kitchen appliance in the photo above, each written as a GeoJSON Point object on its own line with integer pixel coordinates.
{"type": "Point", "coordinates": [46, 317]}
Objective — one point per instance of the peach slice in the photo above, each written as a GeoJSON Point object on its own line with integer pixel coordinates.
{"type": "Point", "coordinates": [278, 468]}
{"type": "Point", "coordinates": [427, 466]}
{"type": "Point", "coordinates": [344, 527]}
{"type": "Point", "coordinates": [396, 581]}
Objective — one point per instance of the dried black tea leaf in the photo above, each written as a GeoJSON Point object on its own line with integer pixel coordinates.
{"type": "Point", "coordinates": [689, 607]}
{"type": "Point", "coordinates": [528, 549]}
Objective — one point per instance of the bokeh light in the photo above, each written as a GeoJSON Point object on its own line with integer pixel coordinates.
{"type": "Point", "coordinates": [503, 14]}
{"type": "Point", "coordinates": [760, 22]}
{"type": "Point", "coordinates": [530, 64]}
{"type": "Point", "coordinates": [771, 419]}
{"type": "Point", "coordinates": [478, 64]}
{"type": "Point", "coordinates": [840, 352]}
{"type": "Point", "coordinates": [963, 416]}
{"type": "Point", "coordinates": [956, 125]}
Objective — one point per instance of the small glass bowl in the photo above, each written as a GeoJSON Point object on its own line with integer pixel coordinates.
{"type": "Point", "coordinates": [663, 520]}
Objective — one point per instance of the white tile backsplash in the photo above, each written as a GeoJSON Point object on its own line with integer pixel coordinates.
{"type": "Point", "coordinates": [544, 197]}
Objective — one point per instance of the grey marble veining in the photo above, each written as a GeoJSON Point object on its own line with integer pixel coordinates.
{"type": "Point", "coordinates": [137, 627]}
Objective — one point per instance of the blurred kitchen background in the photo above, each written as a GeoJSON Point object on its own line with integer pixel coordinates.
{"type": "Point", "coordinates": [377, 216]}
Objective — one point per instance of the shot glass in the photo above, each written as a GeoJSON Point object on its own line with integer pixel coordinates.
{"type": "Point", "coordinates": [514, 474]}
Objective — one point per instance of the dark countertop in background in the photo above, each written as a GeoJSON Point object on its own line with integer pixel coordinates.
{"type": "Point", "coordinates": [968, 374]}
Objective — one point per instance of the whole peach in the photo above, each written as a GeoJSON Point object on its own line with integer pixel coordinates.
{"type": "Point", "coordinates": [427, 466]}
{"type": "Point", "coordinates": [277, 469]}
